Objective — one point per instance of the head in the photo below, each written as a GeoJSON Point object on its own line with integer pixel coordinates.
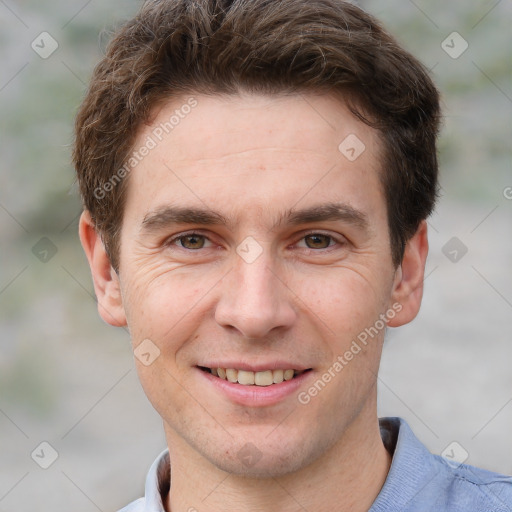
{"type": "Point", "coordinates": [297, 141]}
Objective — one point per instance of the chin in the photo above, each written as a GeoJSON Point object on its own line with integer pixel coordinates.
{"type": "Point", "coordinates": [261, 457]}
{"type": "Point", "coordinates": [268, 466]}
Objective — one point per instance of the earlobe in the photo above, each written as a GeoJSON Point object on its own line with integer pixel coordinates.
{"type": "Point", "coordinates": [105, 279]}
{"type": "Point", "coordinates": [409, 276]}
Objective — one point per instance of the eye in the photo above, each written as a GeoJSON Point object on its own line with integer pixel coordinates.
{"type": "Point", "coordinates": [195, 241]}
{"type": "Point", "coordinates": [190, 241]}
{"type": "Point", "coordinates": [318, 241]}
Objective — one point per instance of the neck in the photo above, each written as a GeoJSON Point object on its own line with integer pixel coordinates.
{"type": "Point", "coordinates": [348, 477]}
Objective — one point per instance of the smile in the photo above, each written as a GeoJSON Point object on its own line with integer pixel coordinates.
{"type": "Point", "coordinates": [249, 378]}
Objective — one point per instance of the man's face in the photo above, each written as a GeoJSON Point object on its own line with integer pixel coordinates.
{"type": "Point", "coordinates": [287, 266]}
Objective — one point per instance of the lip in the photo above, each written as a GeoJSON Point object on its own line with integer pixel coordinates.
{"type": "Point", "coordinates": [255, 396]}
{"type": "Point", "coordinates": [260, 367]}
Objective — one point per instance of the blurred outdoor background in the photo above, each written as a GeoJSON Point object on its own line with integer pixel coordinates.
{"type": "Point", "coordinates": [68, 379]}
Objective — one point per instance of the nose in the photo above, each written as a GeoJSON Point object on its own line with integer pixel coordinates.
{"type": "Point", "coordinates": [254, 299]}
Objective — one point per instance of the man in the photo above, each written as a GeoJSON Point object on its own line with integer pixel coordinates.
{"type": "Point", "coordinates": [256, 177]}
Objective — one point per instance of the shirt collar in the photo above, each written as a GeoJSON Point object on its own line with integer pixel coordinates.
{"type": "Point", "coordinates": [411, 468]}
{"type": "Point", "coordinates": [157, 483]}
{"type": "Point", "coordinates": [408, 455]}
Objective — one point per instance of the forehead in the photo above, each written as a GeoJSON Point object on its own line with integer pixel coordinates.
{"type": "Point", "coordinates": [308, 122]}
{"type": "Point", "coordinates": [259, 149]}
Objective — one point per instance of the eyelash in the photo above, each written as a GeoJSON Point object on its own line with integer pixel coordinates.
{"type": "Point", "coordinates": [341, 242]}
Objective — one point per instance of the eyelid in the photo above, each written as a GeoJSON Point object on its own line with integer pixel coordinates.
{"type": "Point", "coordinates": [177, 236]}
{"type": "Point", "coordinates": [339, 239]}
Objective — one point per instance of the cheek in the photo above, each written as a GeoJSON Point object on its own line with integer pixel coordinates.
{"type": "Point", "coordinates": [346, 301]}
{"type": "Point", "coordinates": [157, 304]}
{"type": "Point", "coordinates": [169, 306]}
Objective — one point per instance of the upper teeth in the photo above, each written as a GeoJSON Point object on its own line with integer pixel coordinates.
{"type": "Point", "coordinates": [265, 378]}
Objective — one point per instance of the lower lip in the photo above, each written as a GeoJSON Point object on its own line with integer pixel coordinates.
{"type": "Point", "coordinates": [256, 396]}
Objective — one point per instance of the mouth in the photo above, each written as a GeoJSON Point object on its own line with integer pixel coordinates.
{"type": "Point", "coordinates": [249, 378]}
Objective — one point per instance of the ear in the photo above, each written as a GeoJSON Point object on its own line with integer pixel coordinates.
{"type": "Point", "coordinates": [409, 276]}
{"type": "Point", "coordinates": [105, 279]}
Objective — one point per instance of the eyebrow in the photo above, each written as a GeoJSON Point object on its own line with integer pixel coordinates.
{"type": "Point", "coordinates": [166, 216]}
{"type": "Point", "coordinates": [326, 212]}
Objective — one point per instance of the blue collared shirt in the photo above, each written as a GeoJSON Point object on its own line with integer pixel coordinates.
{"type": "Point", "coordinates": [418, 481]}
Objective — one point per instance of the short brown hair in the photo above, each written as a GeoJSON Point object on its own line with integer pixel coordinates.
{"type": "Point", "coordinates": [176, 47]}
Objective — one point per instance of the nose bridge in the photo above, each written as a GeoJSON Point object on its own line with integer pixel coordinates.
{"type": "Point", "coordinates": [254, 300]}
{"type": "Point", "coordinates": [256, 282]}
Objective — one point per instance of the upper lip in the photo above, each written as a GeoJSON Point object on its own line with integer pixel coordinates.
{"type": "Point", "coordinates": [256, 367]}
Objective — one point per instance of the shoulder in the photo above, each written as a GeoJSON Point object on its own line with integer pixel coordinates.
{"type": "Point", "coordinates": [467, 487]}
{"type": "Point", "coordinates": [419, 481]}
